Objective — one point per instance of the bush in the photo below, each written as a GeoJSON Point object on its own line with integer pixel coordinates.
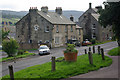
{"type": "Point", "coordinates": [93, 41]}
{"type": "Point", "coordinates": [20, 52]}
{"type": "Point", "coordinates": [10, 47]}
{"type": "Point", "coordinates": [70, 48]}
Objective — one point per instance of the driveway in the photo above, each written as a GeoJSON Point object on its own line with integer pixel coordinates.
{"type": "Point", "coordinates": [35, 60]}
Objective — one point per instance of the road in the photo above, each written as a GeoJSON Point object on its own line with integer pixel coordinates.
{"type": "Point", "coordinates": [57, 52]}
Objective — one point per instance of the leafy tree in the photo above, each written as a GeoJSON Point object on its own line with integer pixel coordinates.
{"type": "Point", "coordinates": [10, 47]}
{"type": "Point", "coordinates": [111, 16]}
{"type": "Point", "coordinates": [4, 34]}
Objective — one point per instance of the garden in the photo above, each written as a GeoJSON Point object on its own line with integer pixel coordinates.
{"type": "Point", "coordinates": [64, 68]}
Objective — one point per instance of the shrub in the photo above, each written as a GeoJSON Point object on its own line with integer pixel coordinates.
{"type": "Point", "coordinates": [70, 48]}
{"type": "Point", "coordinates": [10, 47]}
{"type": "Point", "coordinates": [93, 41]}
{"type": "Point", "coordinates": [26, 52]}
{"type": "Point", "coordinates": [20, 52]}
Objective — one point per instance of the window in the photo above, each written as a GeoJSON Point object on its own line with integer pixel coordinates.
{"type": "Point", "coordinates": [71, 28]}
{"type": "Point", "coordinates": [30, 41]}
{"type": "Point", "coordinates": [94, 26]}
{"type": "Point", "coordinates": [79, 32]}
{"type": "Point", "coordinates": [71, 37]}
{"type": "Point", "coordinates": [36, 27]}
{"type": "Point", "coordinates": [47, 29]}
{"type": "Point", "coordinates": [56, 40]}
{"type": "Point", "coordinates": [66, 38]}
{"type": "Point", "coordinates": [66, 28]}
{"type": "Point", "coordinates": [57, 29]}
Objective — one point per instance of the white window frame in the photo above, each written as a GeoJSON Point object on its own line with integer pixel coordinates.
{"type": "Point", "coordinates": [56, 40]}
{"type": "Point", "coordinates": [36, 27]}
{"type": "Point", "coordinates": [71, 28]}
{"type": "Point", "coordinates": [57, 28]}
{"type": "Point", "coordinates": [47, 29]}
{"type": "Point", "coordinates": [66, 28]}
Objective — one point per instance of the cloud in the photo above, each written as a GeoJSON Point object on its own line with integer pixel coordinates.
{"type": "Point", "coordinates": [80, 5]}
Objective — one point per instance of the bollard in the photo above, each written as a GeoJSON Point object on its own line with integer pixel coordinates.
{"type": "Point", "coordinates": [98, 49]}
{"type": "Point", "coordinates": [102, 53]}
{"type": "Point", "coordinates": [90, 57]}
{"type": "Point", "coordinates": [53, 63]}
{"type": "Point", "coordinates": [11, 72]}
{"type": "Point", "coordinates": [85, 51]}
{"type": "Point", "coordinates": [89, 48]}
{"type": "Point", "coordinates": [93, 49]}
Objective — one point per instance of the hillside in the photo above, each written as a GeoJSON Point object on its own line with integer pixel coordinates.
{"type": "Point", "coordinates": [14, 16]}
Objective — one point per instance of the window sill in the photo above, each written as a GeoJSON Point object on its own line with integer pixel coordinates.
{"type": "Point", "coordinates": [46, 31]}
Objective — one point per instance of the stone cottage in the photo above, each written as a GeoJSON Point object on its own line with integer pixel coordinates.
{"type": "Point", "coordinates": [91, 27]}
{"type": "Point", "coordinates": [44, 26]}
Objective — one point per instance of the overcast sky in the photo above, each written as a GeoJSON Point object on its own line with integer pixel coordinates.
{"type": "Point", "coordinates": [24, 5]}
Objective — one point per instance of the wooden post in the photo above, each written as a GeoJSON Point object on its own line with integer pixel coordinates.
{"type": "Point", "coordinates": [53, 63]}
{"type": "Point", "coordinates": [90, 57]}
{"type": "Point", "coordinates": [89, 48]}
{"type": "Point", "coordinates": [11, 72]}
{"type": "Point", "coordinates": [102, 52]}
{"type": "Point", "coordinates": [93, 49]}
{"type": "Point", "coordinates": [98, 49]}
{"type": "Point", "coordinates": [85, 51]}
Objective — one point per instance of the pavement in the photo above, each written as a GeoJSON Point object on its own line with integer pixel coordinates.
{"type": "Point", "coordinates": [107, 72]}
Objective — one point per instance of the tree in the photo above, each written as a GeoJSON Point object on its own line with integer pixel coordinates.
{"type": "Point", "coordinates": [111, 16]}
{"type": "Point", "coordinates": [10, 47]}
{"type": "Point", "coordinates": [4, 34]}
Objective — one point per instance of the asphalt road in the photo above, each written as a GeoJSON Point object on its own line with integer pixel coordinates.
{"type": "Point", "coordinates": [35, 60]}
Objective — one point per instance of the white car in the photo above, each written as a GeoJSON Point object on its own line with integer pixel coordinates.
{"type": "Point", "coordinates": [43, 49]}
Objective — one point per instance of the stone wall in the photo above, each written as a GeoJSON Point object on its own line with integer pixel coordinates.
{"type": "Point", "coordinates": [28, 46]}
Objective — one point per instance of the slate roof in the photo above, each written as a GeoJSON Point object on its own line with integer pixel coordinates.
{"type": "Point", "coordinates": [95, 9]}
{"type": "Point", "coordinates": [96, 16]}
{"type": "Point", "coordinates": [55, 18]}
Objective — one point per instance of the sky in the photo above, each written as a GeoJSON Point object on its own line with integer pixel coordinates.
{"type": "Point", "coordinates": [24, 5]}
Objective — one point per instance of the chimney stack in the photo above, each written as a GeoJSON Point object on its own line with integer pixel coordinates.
{"type": "Point", "coordinates": [71, 18]}
{"type": "Point", "coordinates": [33, 9]}
{"type": "Point", "coordinates": [44, 9]}
{"type": "Point", "coordinates": [90, 5]}
{"type": "Point", "coordinates": [58, 10]}
{"type": "Point", "coordinates": [98, 7]}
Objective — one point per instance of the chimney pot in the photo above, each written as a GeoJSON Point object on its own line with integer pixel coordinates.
{"type": "Point", "coordinates": [90, 5]}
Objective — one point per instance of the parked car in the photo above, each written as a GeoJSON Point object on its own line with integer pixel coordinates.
{"type": "Point", "coordinates": [78, 43]}
{"type": "Point", "coordinates": [85, 43]}
{"type": "Point", "coordinates": [75, 42]}
{"type": "Point", "coordinates": [43, 49]}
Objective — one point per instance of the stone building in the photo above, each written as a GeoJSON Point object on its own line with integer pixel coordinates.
{"type": "Point", "coordinates": [44, 26]}
{"type": "Point", "coordinates": [91, 27]}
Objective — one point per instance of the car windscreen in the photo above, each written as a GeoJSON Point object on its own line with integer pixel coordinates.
{"type": "Point", "coordinates": [43, 47]}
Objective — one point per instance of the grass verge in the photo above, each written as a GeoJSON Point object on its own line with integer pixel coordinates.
{"type": "Point", "coordinates": [98, 43]}
{"type": "Point", "coordinates": [114, 52]}
{"type": "Point", "coordinates": [63, 69]}
{"type": "Point", "coordinates": [16, 57]}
